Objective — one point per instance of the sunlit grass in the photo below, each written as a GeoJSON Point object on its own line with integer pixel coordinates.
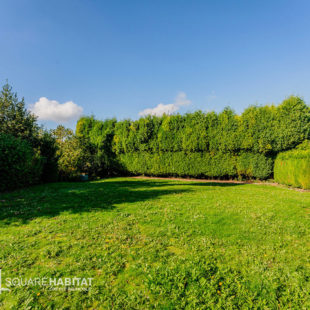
{"type": "Point", "coordinates": [158, 243]}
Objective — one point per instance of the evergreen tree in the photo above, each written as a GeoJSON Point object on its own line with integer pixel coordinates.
{"type": "Point", "coordinates": [15, 119]}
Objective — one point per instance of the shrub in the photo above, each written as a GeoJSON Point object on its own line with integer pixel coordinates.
{"type": "Point", "coordinates": [19, 165]}
{"type": "Point", "coordinates": [293, 167]}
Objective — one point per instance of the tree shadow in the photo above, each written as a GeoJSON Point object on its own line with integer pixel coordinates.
{"type": "Point", "coordinates": [219, 184]}
{"type": "Point", "coordinates": [187, 182]}
{"type": "Point", "coordinates": [50, 200]}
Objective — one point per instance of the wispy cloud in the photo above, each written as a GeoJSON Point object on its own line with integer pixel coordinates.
{"type": "Point", "coordinates": [160, 109]}
{"type": "Point", "coordinates": [52, 110]}
{"type": "Point", "coordinates": [211, 97]}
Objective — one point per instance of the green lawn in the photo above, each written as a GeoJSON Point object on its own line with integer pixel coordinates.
{"type": "Point", "coordinates": [157, 244]}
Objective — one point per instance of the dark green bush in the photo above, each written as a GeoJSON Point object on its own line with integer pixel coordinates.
{"type": "Point", "coordinates": [19, 165]}
{"type": "Point", "coordinates": [293, 167]}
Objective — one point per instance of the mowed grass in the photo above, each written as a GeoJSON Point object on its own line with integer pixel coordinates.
{"type": "Point", "coordinates": [158, 244]}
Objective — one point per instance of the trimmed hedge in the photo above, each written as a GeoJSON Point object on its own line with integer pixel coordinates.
{"type": "Point", "coordinates": [199, 165]}
{"type": "Point", "coordinates": [212, 145]}
{"type": "Point", "coordinates": [19, 166]}
{"type": "Point", "coordinates": [293, 167]}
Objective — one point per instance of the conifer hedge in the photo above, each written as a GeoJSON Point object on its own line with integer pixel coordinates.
{"type": "Point", "coordinates": [209, 145]}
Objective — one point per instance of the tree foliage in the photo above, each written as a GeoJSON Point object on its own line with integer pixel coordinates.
{"type": "Point", "coordinates": [18, 125]}
{"type": "Point", "coordinates": [15, 119]}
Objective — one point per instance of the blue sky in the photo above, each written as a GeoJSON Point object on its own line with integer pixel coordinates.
{"type": "Point", "coordinates": [118, 58]}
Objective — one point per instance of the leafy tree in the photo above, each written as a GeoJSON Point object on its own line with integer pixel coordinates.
{"type": "Point", "coordinates": [69, 152]}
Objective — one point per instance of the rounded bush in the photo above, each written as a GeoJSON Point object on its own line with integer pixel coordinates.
{"type": "Point", "coordinates": [19, 166]}
{"type": "Point", "coordinates": [293, 167]}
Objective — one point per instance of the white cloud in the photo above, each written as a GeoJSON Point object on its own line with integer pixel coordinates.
{"type": "Point", "coordinates": [52, 110]}
{"type": "Point", "coordinates": [159, 110]}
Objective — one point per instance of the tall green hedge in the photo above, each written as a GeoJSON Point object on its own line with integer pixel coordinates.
{"type": "Point", "coordinates": [214, 145]}
{"type": "Point", "coordinates": [293, 167]}
{"type": "Point", "coordinates": [259, 129]}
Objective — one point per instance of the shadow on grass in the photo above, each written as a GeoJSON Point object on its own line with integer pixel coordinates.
{"type": "Point", "coordinates": [149, 182]}
{"type": "Point", "coordinates": [50, 200]}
